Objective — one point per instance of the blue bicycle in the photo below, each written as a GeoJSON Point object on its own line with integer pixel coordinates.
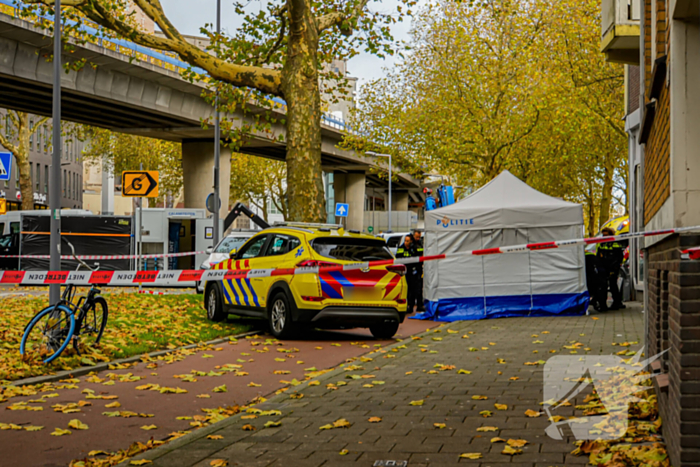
{"type": "Point", "coordinates": [50, 330]}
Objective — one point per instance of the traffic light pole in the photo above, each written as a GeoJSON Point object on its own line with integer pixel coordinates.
{"type": "Point", "coordinates": [55, 177]}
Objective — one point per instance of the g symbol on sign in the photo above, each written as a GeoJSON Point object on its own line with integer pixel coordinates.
{"type": "Point", "coordinates": [137, 184]}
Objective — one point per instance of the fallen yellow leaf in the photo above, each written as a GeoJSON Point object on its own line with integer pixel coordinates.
{"type": "Point", "coordinates": [501, 406]}
{"type": "Point", "coordinates": [517, 443]}
{"type": "Point", "coordinates": [511, 451]}
{"type": "Point", "coordinates": [375, 419]}
{"type": "Point", "coordinates": [487, 428]}
{"type": "Point", "coordinates": [498, 440]}
{"type": "Point", "coordinates": [77, 425]}
{"type": "Point", "coordinates": [419, 402]}
{"type": "Point", "coordinates": [215, 437]}
{"type": "Point", "coordinates": [532, 414]}
{"type": "Point", "coordinates": [149, 427]}
{"type": "Point", "coordinates": [140, 462]}
{"type": "Point", "coordinates": [471, 455]}
{"type": "Point", "coordinates": [218, 463]}
{"type": "Point", "coordinates": [439, 425]}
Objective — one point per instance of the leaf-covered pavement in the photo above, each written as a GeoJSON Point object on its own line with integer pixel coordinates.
{"type": "Point", "coordinates": [428, 412]}
{"type": "Point", "coordinates": [137, 324]}
{"type": "Point", "coordinates": [133, 407]}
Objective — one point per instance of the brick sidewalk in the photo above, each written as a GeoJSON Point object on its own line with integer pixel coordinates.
{"type": "Point", "coordinates": [406, 432]}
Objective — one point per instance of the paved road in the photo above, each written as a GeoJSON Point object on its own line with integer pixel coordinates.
{"type": "Point", "coordinates": [407, 432]}
{"type": "Point", "coordinates": [256, 359]}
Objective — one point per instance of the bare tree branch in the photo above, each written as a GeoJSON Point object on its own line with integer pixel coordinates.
{"type": "Point", "coordinates": [262, 79]}
{"type": "Point", "coordinates": [36, 126]}
{"type": "Point", "coordinates": [280, 37]}
{"type": "Point", "coordinates": [337, 18]}
{"type": "Point", "coordinates": [7, 144]}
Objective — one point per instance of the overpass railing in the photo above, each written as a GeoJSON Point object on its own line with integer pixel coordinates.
{"type": "Point", "coordinates": [165, 60]}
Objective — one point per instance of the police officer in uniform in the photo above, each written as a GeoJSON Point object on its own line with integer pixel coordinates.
{"type": "Point", "coordinates": [406, 251]}
{"type": "Point", "coordinates": [418, 251]}
{"type": "Point", "coordinates": [592, 277]}
{"type": "Point", "coordinates": [609, 256]}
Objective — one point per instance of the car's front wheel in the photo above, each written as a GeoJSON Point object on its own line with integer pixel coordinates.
{"type": "Point", "coordinates": [212, 301]}
{"type": "Point", "coordinates": [384, 330]}
{"type": "Point", "coordinates": [280, 316]}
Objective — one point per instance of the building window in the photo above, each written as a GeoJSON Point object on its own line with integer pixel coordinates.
{"type": "Point", "coordinates": [46, 139]}
{"type": "Point", "coordinates": [75, 186]}
{"type": "Point", "coordinates": [64, 183]}
{"type": "Point", "coordinates": [46, 179]}
{"type": "Point", "coordinates": [31, 135]}
{"type": "Point", "coordinates": [37, 182]}
{"type": "Point", "coordinates": [272, 207]}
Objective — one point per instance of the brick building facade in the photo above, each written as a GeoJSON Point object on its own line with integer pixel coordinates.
{"type": "Point", "coordinates": [670, 134]}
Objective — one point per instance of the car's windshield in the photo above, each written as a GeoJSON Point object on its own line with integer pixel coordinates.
{"type": "Point", "coordinates": [394, 241]}
{"type": "Point", "coordinates": [229, 243]}
{"type": "Point", "coordinates": [351, 249]}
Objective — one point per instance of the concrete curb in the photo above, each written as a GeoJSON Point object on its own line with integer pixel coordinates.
{"type": "Point", "coordinates": [84, 370]}
{"type": "Point", "coordinates": [273, 402]}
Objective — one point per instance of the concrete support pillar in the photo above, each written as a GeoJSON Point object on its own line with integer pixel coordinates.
{"type": "Point", "coordinates": [198, 174]}
{"type": "Point", "coordinates": [107, 190]}
{"type": "Point", "coordinates": [350, 189]}
{"type": "Point", "coordinates": [399, 201]}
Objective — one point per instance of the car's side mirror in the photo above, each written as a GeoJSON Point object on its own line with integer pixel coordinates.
{"type": "Point", "coordinates": [232, 253]}
{"type": "Point", "coordinates": [209, 250]}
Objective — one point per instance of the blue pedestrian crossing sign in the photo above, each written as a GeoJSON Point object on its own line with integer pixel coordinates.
{"type": "Point", "coordinates": [341, 209]}
{"type": "Point", "coordinates": [5, 165]}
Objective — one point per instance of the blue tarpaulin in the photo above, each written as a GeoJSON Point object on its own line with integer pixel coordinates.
{"type": "Point", "coordinates": [473, 308]}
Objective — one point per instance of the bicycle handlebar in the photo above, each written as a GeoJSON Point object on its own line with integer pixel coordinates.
{"type": "Point", "coordinates": [80, 261]}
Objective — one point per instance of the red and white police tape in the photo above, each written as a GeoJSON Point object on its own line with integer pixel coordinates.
{"type": "Point", "coordinates": [110, 257]}
{"type": "Point", "coordinates": [130, 278]}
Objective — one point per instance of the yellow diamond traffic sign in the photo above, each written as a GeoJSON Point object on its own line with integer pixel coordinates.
{"type": "Point", "coordinates": [140, 183]}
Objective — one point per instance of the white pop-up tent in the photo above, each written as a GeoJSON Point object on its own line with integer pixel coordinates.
{"type": "Point", "coordinates": [504, 212]}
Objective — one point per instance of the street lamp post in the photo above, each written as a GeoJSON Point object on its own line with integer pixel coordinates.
{"type": "Point", "coordinates": [390, 176]}
{"type": "Point", "coordinates": [217, 143]}
{"type": "Point", "coordinates": [55, 180]}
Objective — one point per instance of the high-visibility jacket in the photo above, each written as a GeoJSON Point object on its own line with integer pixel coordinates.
{"type": "Point", "coordinates": [610, 255]}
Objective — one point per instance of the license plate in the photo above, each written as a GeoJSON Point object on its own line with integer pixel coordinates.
{"type": "Point", "coordinates": [362, 294]}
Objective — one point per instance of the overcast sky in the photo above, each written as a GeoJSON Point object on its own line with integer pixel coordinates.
{"type": "Point", "coordinates": [189, 19]}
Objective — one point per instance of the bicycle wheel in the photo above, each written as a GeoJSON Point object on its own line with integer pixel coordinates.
{"type": "Point", "coordinates": [93, 323]}
{"type": "Point", "coordinates": [47, 334]}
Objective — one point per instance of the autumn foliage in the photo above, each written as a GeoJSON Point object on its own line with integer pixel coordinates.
{"type": "Point", "coordinates": [506, 84]}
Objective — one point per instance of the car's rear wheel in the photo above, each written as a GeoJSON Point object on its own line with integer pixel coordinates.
{"type": "Point", "coordinates": [384, 330]}
{"type": "Point", "coordinates": [212, 301]}
{"type": "Point", "coordinates": [280, 317]}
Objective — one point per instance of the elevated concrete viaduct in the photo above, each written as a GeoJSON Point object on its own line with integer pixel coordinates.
{"type": "Point", "coordinates": [139, 91]}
